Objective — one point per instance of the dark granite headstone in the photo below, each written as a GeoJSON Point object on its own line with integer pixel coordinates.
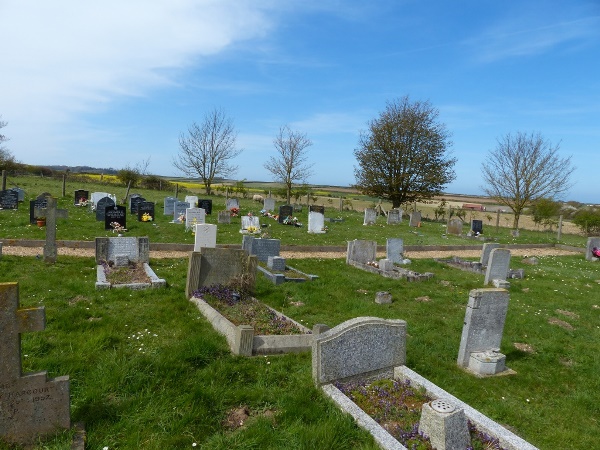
{"type": "Point", "coordinates": [317, 208]}
{"type": "Point", "coordinates": [20, 193]}
{"type": "Point", "coordinates": [103, 203]}
{"type": "Point", "coordinates": [477, 226]}
{"type": "Point", "coordinates": [284, 212]}
{"type": "Point", "coordinates": [206, 205]}
{"type": "Point", "coordinates": [39, 203]}
{"type": "Point", "coordinates": [145, 208]}
{"type": "Point", "coordinates": [81, 196]}
{"type": "Point", "coordinates": [116, 214]}
{"type": "Point", "coordinates": [9, 199]}
{"type": "Point", "coordinates": [134, 203]}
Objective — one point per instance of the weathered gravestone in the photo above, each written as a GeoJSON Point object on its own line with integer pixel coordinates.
{"type": "Point", "coordinates": [115, 216]}
{"type": "Point", "coordinates": [51, 214]}
{"type": "Point", "coordinates": [205, 236]}
{"type": "Point", "coordinates": [192, 200]}
{"type": "Point", "coordinates": [316, 222]}
{"type": "Point", "coordinates": [454, 226]}
{"type": "Point", "coordinates": [415, 219]}
{"type": "Point", "coordinates": [477, 226]}
{"type": "Point", "coordinates": [169, 206]}
{"type": "Point", "coordinates": [31, 405]}
{"type": "Point", "coordinates": [394, 249]}
{"type": "Point", "coordinates": [134, 203]}
{"type": "Point", "coordinates": [194, 216]}
{"type": "Point", "coordinates": [136, 249]}
{"type": "Point", "coordinates": [317, 208]}
{"type": "Point", "coordinates": [361, 251]}
{"type": "Point", "coordinates": [285, 211]}
{"type": "Point", "coordinates": [9, 199]}
{"type": "Point", "coordinates": [103, 203]}
{"type": "Point", "coordinates": [485, 252]}
{"type": "Point", "coordinates": [224, 217]}
{"type": "Point", "coordinates": [269, 204]}
{"type": "Point", "coordinates": [482, 331]}
{"type": "Point", "coordinates": [206, 205]}
{"type": "Point", "coordinates": [232, 203]}
{"type": "Point", "coordinates": [370, 216]}
{"type": "Point", "coordinates": [394, 216]}
{"type": "Point", "coordinates": [591, 243]}
{"type": "Point", "coordinates": [80, 196]}
{"type": "Point", "coordinates": [262, 248]}
{"type": "Point", "coordinates": [250, 224]}
{"type": "Point", "coordinates": [498, 265]}
{"type": "Point", "coordinates": [145, 211]}
{"type": "Point", "coordinates": [224, 266]}
{"type": "Point", "coordinates": [179, 211]}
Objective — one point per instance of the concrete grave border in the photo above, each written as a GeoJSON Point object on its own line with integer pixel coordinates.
{"type": "Point", "coordinates": [280, 278]}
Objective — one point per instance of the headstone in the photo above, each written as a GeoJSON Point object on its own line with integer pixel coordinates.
{"type": "Point", "coordinates": [134, 203]}
{"type": "Point", "coordinates": [370, 216]}
{"type": "Point", "coordinates": [591, 243]}
{"type": "Point", "coordinates": [276, 263]}
{"type": "Point", "coordinates": [498, 265]}
{"type": "Point", "coordinates": [364, 345]}
{"type": "Point", "coordinates": [415, 219]}
{"type": "Point", "coordinates": [383, 298]}
{"type": "Point", "coordinates": [232, 203]}
{"type": "Point", "coordinates": [285, 211]}
{"type": "Point", "coordinates": [394, 250]}
{"type": "Point", "coordinates": [483, 326]}
{"type": "Point", "coordinates": [206, 205]}
{"type": "Point", "coordinates": [260, 247]}
{"type": "Point", "coordinates": [445, 425]}
{"type": "Point", "coordinates": [269, 204]}
{"type": "Point", "coordinates": [137, 249]}
{"type": "Point", "coordinates": [169, 206]}
{"type": "Point", "coordinates": [477, 226]}
{"type": "Point", "coordinates": [98, 195]}
{"type": "Point", "coordinates": [455, 226]}
{"type": "Point", "coordinates": [115, 215]}
{"type": "Point", "coordinates": [485, 252]}
{"type": "Point", "coordinates": [250, 223]}
{"type": "Point", "coordinates": [296, 208]}
{"type": "Point", "coordinates": [192, 200]}
{"type": "Point", "coordinates": [386, 265]}
{"type": "Point", "coordinates": [361, 251]}
{"type": "Point", "coordinates": [31, 406]}
{"type": "Point", "coordinates": [81, 196]}
{"type": "Point", "coordinates": [9, 199]}
{"type": "Point", "coordinates": [317, 208]}
{"type": "Point", "coordinates": [394, 216]}
{"type": "Point", "coordinates": [179, 211]}
{"type": "Point", "coordinates": [316, 222]}
{"type": "Point", "coordinates": [205, 236]}
{"type": "Point", "coordinates": [194, 216]}
{"type": "Point", "coordinates": [130, 199]}
{"type": "Point", "coordinates": [145, 211]}
{"type": "Point", "coordinates": [224, 217]}
{"type": "Point", "coordinates": [20, 194]}
{"type": "Point", "coordinates": [50, 213]}
{"type": "Point", "coordinates": [103, 203]}
{"type": "Point", "coordinates": [36, 205]}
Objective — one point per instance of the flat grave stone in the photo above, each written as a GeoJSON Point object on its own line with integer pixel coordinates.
{"type": "Point", "coordinates": [9, 199]}
{"type": "Point", "coordinates": [370, 216]}
{"type": "Point", "coordinates": [193, 217]}
{"type": "Point", "coordinates": [145, 211]}
{"type": "Point", "coordinates": [394, 216]}
{"type": "Point", "coordinates": [205, 236]}
{"type": "Point", "coordinates": [80, 196]}
{"type": "Point", "coordinates": [269, 204]}
{"type": "Point", "coordinates": [206, 205]}
{"type": "Point", "coordinates": [169, 206]}
{"type": "Point", "coordinates": [103, 203]}
{"type": "Point", "coordinates": [115, 215]}
{"type": "Point", "coordinates": [316, 222]}
{"type": "Point", "coordinates": [285, 211]}
{"type": "Point", "coordinates": [415, 219]}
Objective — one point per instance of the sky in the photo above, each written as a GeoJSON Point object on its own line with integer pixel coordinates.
{"type": "Point", "coordinates": [115, 83]}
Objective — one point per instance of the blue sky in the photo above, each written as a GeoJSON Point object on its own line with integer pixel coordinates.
{"type": "Point", "coordinates": [113, 83]}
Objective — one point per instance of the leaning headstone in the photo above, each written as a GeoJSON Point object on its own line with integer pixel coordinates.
{"type": "Point", "coordinates": [81, 196]}
{"type": "Point", "coordinates": [455, 226]}
{"type": "Point", "coordinates": [169, 206]}
{"type": "Point", "coordinates": [224, 217]}
{"type": "Point", "coordinates": [592, 242]}
{"type": "Point", "coordinates": [145, 212]}
{"type": "Point", "coordinates": [9, 199]}
{"type": "Point", "coordinates": [232, 203]}
{"type": "Point", "coordinates": [179, 211]}
{"type": "Point", "coordinates": [115, 216]}
{"type": "Point", "coordinates": [394, 216]}
{"type": "Point", "coordinates": [482, 331]}
{"type": "Point", "coordinates": [206, 205]}
{"type": "Point", "coordinates": [316, 222]}
{"type": "Point", "coordinates": [361, 251]}
{"type": "Point", "coordinates": [285, 211]}
{"type": "Point", "coordinates": [415, 219]}
{"type": "Point", "coordinates": [193, 217]}
{"type": "Point", "coordinates": [370, 216]}
{"type": "Point", "coordinates": [192, 200]}
{"type": "Point", "coordinates": [205, 236]}
{"type": "Point", "coordinates": [498, 265]}
{"type": "Point", "coordinates": [477, 226]}
{"type": "Point", "coordinates": [485, 252]}
{"type": "Point", "coordinates": [31, 406]}
{"type": "Point", "coordinates": [269, 204]}
{"type": "Point", "coordinates": [103, 203]}
{"type": "Point", "coordinates": [394, 250]}
{"type": "Point", "coordinates": [261, 247]}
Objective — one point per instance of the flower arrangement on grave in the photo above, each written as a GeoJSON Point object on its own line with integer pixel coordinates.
{"type": "Point", "coordinates": [373, 264]}
{"type": "Point", "coordinates": [117, 227]}
{"type": "Point", "coordinates": [146, 217]}
{"type": "Point", "coordinates": [181, 218]}
{"type": "Point", "coordinates": [41, 221]}
{"type": "Point", "coordinates": [266, 213]}
{"type": "Point", "coordinates": [289, 220]}
{"type": "Point", "coordinates": [252, 229]}
{"type": "Point", "coordinates": [82, 202]}
{"type": "Point", "coordinates": [234, 212]}
{"type": "Point", "coordinates": [325, 229]}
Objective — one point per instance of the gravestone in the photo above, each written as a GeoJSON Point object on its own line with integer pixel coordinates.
{"type": "Point", "coordinates": [394, 250]}
{"type": "Point", "coordinates": [9, 199]}
{"type": "Point", "coordinates": [477, 226]}
{"type": "Point", "coordinates": [370, 216]}
{"type": "Point", "coordinates": [269, 204]}
{"type": "Point", "coordinates": [455, 226]}
{"type": "Point", "coordinates": [98, 195]}
{"type": "Point", "coordinates": [394, 216]}
{"type": "Point", "coordinates": [317, 208]}
{"type": "Point", "coordinates": [192, 200]}
{"type": "Point", "coordinates": [194, 216]}
{"type": "Point", "coordinates": [591, 243]}
{"type": "Point", "coordinates": [485, 252]}
{"type": "Point", "coordinates": [81, 196]}
{"type": "Point", "coordinates": [250, 221]}
{"type": "Point", "coordinates": [37, 205]}
{"type": "Point", "coordinates": [482, 331]}
{"type": "Point", "coordinates": [260, 247]}
{"type": "Point", "coordinates": [20, 194]}
{"type": "Point", "coordinates": [169, 206]}
{"type": "Point", "coordinates": [276, 263]}
{"type": "Point", "coordinates": [232, 203]}
{"type": "Point", "coordinates": [415, 219]}
{"type": "Point", "coordinates": [130, 198]}
{"type": "Point", "coordinates": [445, 425]}
{"type": "Point", "coordinates": [316, 222]}
{"type": "Point", "coordinates": [212, 266]}
{"type": "Point", "coordinates": [205, 236]}
{"type": "Point", "coordinates": [31, 406]}
{"type": "Point", "coordinates": [115, 215]}
{"type": "Point", "coordinates": [51, 214]}
{"type": "Point", "coordinates": [145, 211]}
{"type": "Point", "coordinates": [179, 211]}
{"type": "Point", "coordinates": [103, 203]}
{"type": "Point", "coordinates": [134, 203]}
{"type": "Point", "coordinates": [296, 207]}
{"type": "Point", "coordinates": [361, 251]}
{"type": "Point", "coordinates": [224, 217]}
{"type": "Point", "coordinates": [206, 205]}
{"type": "Point", "coordinates": [285, 211]}
{"type": "Point", "coordinates": [136, 249]}
{"type": "Point", "coordinates": [498, 265]}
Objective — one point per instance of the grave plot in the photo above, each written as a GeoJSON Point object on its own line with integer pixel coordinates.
{"type": "Point", "coordinates": [278, 272]}
{"type": "Point", "coordinates": [123, 262]}
{"type": "Point", "coordinates": [369, 351]}
{"type": "Point", "coordinates": [217, 281]}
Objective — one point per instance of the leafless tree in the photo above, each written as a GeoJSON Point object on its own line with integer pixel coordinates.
{"type": "Point", "coordinates": [7, 159]}
{"type": "Point", "coordinates": [290, 165]}
{"type": "Point", "coordinates": [206, 150]}
{"type": "Point", "coordinates": [524, 168]}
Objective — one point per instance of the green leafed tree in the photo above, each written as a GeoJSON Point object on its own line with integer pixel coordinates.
{"type": "Point", "coordinates": [404, 157]}
{"type": "Point", "coordinates": [524, 168]}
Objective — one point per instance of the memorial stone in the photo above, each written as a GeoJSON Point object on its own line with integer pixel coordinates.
{"type": "Point", "coordinates": [394, 216]}
{"type": "Point", "coordinates": [394, 249]}
{"type": "Point", "coordinates": [455, 226]}
{"type": "Point", "coordinates": [136, 249]}
{"type": "Point", "coordinates": [250, 221]}
{"type": "Point", "coordinates": [477, 226]}
{"type": "Point", "coordinates": [269, 204]}
{"type": "Point", "coordinates": [98, 195]}
{"type": "Point", "coordinates": [115, 215]}
{"type": "Point", "coordinates": [370, 216]}
{"type": "Point", "coordinates": [232, 203]}
{"type": "Point", "coordinates": [134, 203]}
{"type": "Point", "coordinates": [101, 206]}
{"type": "Point", "coordinates": [316, 222]}
{"type": "Point", "coordinates": [415, 219]}
{"type": "Point", "coordinates": [205, 236]}
{"type": "Point", "coordinates": [260, 247]}
{"type": "Point", "coordinates": [224, 217]}
{"type": "Point", "coordinates": [81, 196]}
{"type": "Point", "coordinates": [285, 211]}
{"type": "Point", "coordinates": [206, 205]}
{"type": "Point", "coordinates": [276, 263]}
{"type": "Point", "coordinates": [498, 265]}
{"type": "Point", "coordinates": [485, 252]}
{"type": "Point", "coordinates": [9, 199]}
{"type": "Point", "coordinates": [317, 208]}
{"type": "Point", "coordinates": [38, 204]}
{"type": "Point", "coordinates": [145, 211]}
{"type": "Point", "coordinates": [179, 211]}
{"type": "Point", "coordinates": [192, 200]}
{"type": "Point", "coordinates": [194, 216]}
{"type": "Point", "coordinates": [20, 194]}
{"type": "Point", "coordinates": [361, 251]}
{"type": "Point", "coordinates": [169, 206]}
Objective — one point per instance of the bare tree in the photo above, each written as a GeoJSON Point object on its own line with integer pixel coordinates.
{"type": "Point", "coordinates": [524, 168]}
{"type": "Point", "coordinates": [290, 165]}
{"type": "Point", "coordinates": [206, 149]}
{"type": "Point", "coordinates": [7, 159]}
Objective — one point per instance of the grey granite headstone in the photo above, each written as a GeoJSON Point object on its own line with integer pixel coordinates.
{"type": "Point", "coordinates": [224, 217]}
{"type": "Point", "coordinates": [31, 405]}
{"type": "Point", "coordinates": [394, 216]}
{"type": "Point", "coordinates": [137, 249]}
{"type": "Point", "coordinates": [262, 248]}
{"type": "Point", "coordinates": [361, 251]}
{"type": "Point", "coordinates": [386, 265]}
{"type": "Point", "coordinates": [445, 424]}
{"type": "Point", "coordinates": [591, 243]}
{"type": "Point", "coordinates": [364, 345]}
{"type": "Point", "coordinates": [484, 323]}
{"type": "Point", "coordinates": [276, 263]}
{"type": "Point", "coordinates": [179, 210]}
{"type": "Point", "coordinates": [20, 194]}
{"type": "Point", "coordinates": [169, 206]}
{"type": "Point", "coordinates": [485, 252]}
{"type": "Point", "coordinates": [269, 204]}
{"type": "Point", "coordinates": [370, 216]}
{"type": "Point", "coordinates": [498, 265]}
{"type": "Point", "coordinates": [455, 226]}
{"type": "Point", "coordinates": [250, 221]}
{"type": "Point", "coordinates": [415, 219]}
{"type": "Point", "coordinates": [232, 203]}
{"type": "Point", "coordinates": [394, 250]}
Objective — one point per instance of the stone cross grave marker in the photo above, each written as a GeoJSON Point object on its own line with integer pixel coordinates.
{"type": "Point", "coordinates": [192, 200]}
{"type": "Point", "coordinates": [284, 212]}
{"type": "Point", "coordinates": [51, 214]}
{"type": "Point", "coordinates": [498, 265]}
{"type": "Point", "coordinates": [415, 219]}
{"type": "Point", "coordinates": [169, 206]}
{"type": "Point", "coordinates": [80, 196]}
{"type": "Point", "coordinates": [485, 252]}
{"type": "Point", "coordinates": [205, 236]}
{"type": "Point", "coordinates": [269, 204]}
{"type": "Point", "coordinates": [591, 243]}
{"type": "Point", "coordinates": [370, 216]}
{"type": "Point", "coordinates": [394, 249]}
{"type": "Point", "coordinates": [194, 216]}
{"type": "Point", "coordinates": [206, 205]}
{"type": "Point", "coordinates": [394, 216]}
{"type": "Point", "coordinates": [455, 226]}
{"type": "Point", "coordinates": [316, 222]}
{"type": "Point", "coordinates": [103, 203]}
{"type": "Point", "coordinates": [145, 212]}
{"type": "Point", "coordinates": [31, 405]}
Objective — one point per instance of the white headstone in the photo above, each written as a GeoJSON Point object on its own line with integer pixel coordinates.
{"type": "Point", "coordinates": [316, 222]}
{"type": "Point", "coordinates": [232, 203]}
{"type": "Point", "coordinates": [96, 196]}
{"type": "Point", "coordinates": [192, 200]}
{"type": "Point", "coordinates": [370, 216]}
{"type": "Point", "coordinates": [250, 221]}
{"type": "Point", "coordinates": [205, 236]}
{"type": "Point", "coordinates": [194, 216]}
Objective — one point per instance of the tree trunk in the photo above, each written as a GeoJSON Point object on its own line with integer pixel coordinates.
{"type": "Point", "coordinates": [516, 221]}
